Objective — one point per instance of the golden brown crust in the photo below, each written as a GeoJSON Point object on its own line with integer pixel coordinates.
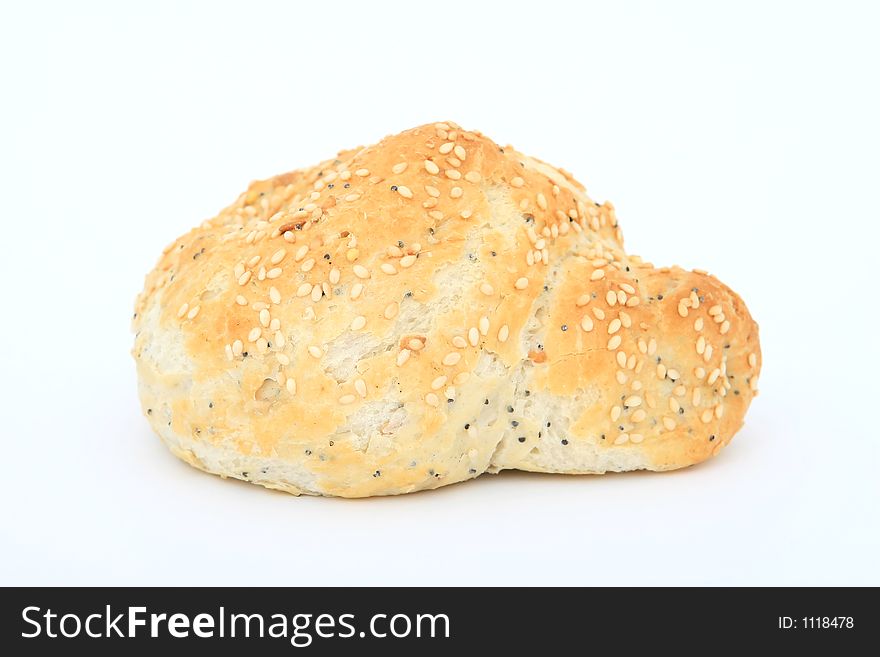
{"type": "Point", "coordinates": [415, 277]}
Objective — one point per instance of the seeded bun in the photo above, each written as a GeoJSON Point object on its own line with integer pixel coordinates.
{"type": "Point", "coordinates": [418, 312]}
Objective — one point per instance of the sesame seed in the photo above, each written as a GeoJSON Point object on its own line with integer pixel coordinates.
{"type": "Point", "coordinates": [237, 347]}
{"type": "Point", "coordinates": [673, 374]}
{"type": "Point", "coordinates": [697, 397]}
{"type": "Point", "coordinates": [614, 342]}
{"type": "Point", "coordinates": [661, 371]}
{"type": "Point", "coordinates": [707, 415]}
{"type": "Point", "coordinates": [451, 358]}
{"type": "Point", "coordinates": [244, 278]}
{"type": "Point", "coordinates": [228, 350]}
{"type": "Point", "coordinates": [713, 376]}
{"type": "Point", "coordinates": [240, 300]}
{"type": "Point", "coordinates": [391, 309]}
{"type": "Point", "coordinates": [459, 151]}
{"type": "Point", "coordinates": [264, 317]}
{"type": "Point", "coordinates": [701, 345]}
{"type": "Point", "coordinates": [597, 274]}
{"type": "Point", "coordinates": [304, 290]}
{"type": "Point", "coordinates": [715, 310]}
{"type": "Point", "coordinates": [346, 399]}
{"type": "Point", "coordinates": [459, 342]}
{"type": "Point", "coordinates": [301, 252]}
{"type": "Point", "coordinates": [698, 324]}
{"type": "Point", "coordinates": [674, 405]}
{"type": "Point", "coordinates": [487, 289]}
{"type": "Point", "coordinates": [639, 415]}
{"type": "Point", "coordinates": [407, 261]}
{"type": "Point", "coordinates": [308, 265]}
{"type": "Point", "coordinates": [446, 147]}
{"type": "Point", "coordinates": [275, 272]}
{"type": "Point", "coordinates": [334, 276]}
{"type": "Point", "coordinates": [284, 359]}
{"type": "Point", "coordinates": [636, 437]}
{"type": "Point", "coordinates": [278, 256]}
{"type": "Point", "coordinates": [415, 344]}
{"type": "Point", "coordinates": [503, 333]}
{"type": "Point", "coordinates": [599, 314]}
{"type": "Point", "coordinates": [483, 325]}
{"type": "Point", "coordinates": [621, 358]}
{"type": "Point", "coordinates": [356, 290]}
{"type": "Point", "coordinates": [521, 283]}
{"type": "Point", "coordinates": [473, 336]}
{"type": "Point", "coordinates": [274, 295]}
{"type": "Point", "coordinates": [388, 268]}
{"type": "Point", "coordinates": [622, 438]}
{"type": "Point", "coordinates": [279, 337]}
{"type": "Point", "coordinates": [363, 173]}
{"type": "Point", "coordinates": [431, 399]}
{"type": "Point", "coordinates": [432, 191]}
{"type": "Point", "coordinates": [254, 334]}
{"type": "Point", "coordinates": [633, 401]}
{"type": "Point", "coordinates": [725, 327]}
{"type": "Point", "coordinates": [682, 310]}
{"type": "Point", "coordinates": [652, 347]}
{"type": "Point", "coordinates": [352, 254]}
{"type": "Point", "coordinates": [350, 198]}
{"type": "Point", "coordinates": [404, 191]}
{"type": "Point", "coordinates": [182, 310]}
{"type": "Point", "coordinates": [315, 351]}
{"type": "Point", "coordinates": [582, 300]}
{"type": "Point", "coordinates": [398, 168]}
{"type": "Point", "coordinates": [719, 411]}
{"type": "Point", "coordinates": [614, 326]}
{"type": "Point", "coordinates": [517, 182]}
{"type": "Point", "coordinates": [360, 271]}
{"type": "Point", "coordinates": [291, 386]}
{"type": "Point", "coordinates": [542, 201]}
{"type": "Point", "coordinates": [403, 356]}
{"type": "Point", "coordinates": [668, 422]}
{"type": "Point", "coordinates": [360, 387]}
{"type": "Point", "coordinates": [615, 413]}
{"type": "Point", "coordinates": [753, 360]}
{"type": "Point", "coordinates": [431, 168]}
{"type": "Point", "coordinates": [289, 236]}
{"type": "Point", "coordinates": [456, 192]}
{"type": "Point", "coordinates": [358, 323]}
{"type": "Point", "coordinates": [610, 298]}
{"type": "Point", "coordinates": [435, 214]}
{"type": "Point", "coordinates": [587, 324]}
{"type": "Point", "coordinates": [438, 383]}
{"type": "Point", "coordinates": [473, 177]}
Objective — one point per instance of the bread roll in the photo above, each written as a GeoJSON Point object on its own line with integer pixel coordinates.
{"type": "Point", "coordinates": [418, 312]}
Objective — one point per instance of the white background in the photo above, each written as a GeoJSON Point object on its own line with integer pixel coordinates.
{"type": "Point", "coordinates": [743, 140]}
